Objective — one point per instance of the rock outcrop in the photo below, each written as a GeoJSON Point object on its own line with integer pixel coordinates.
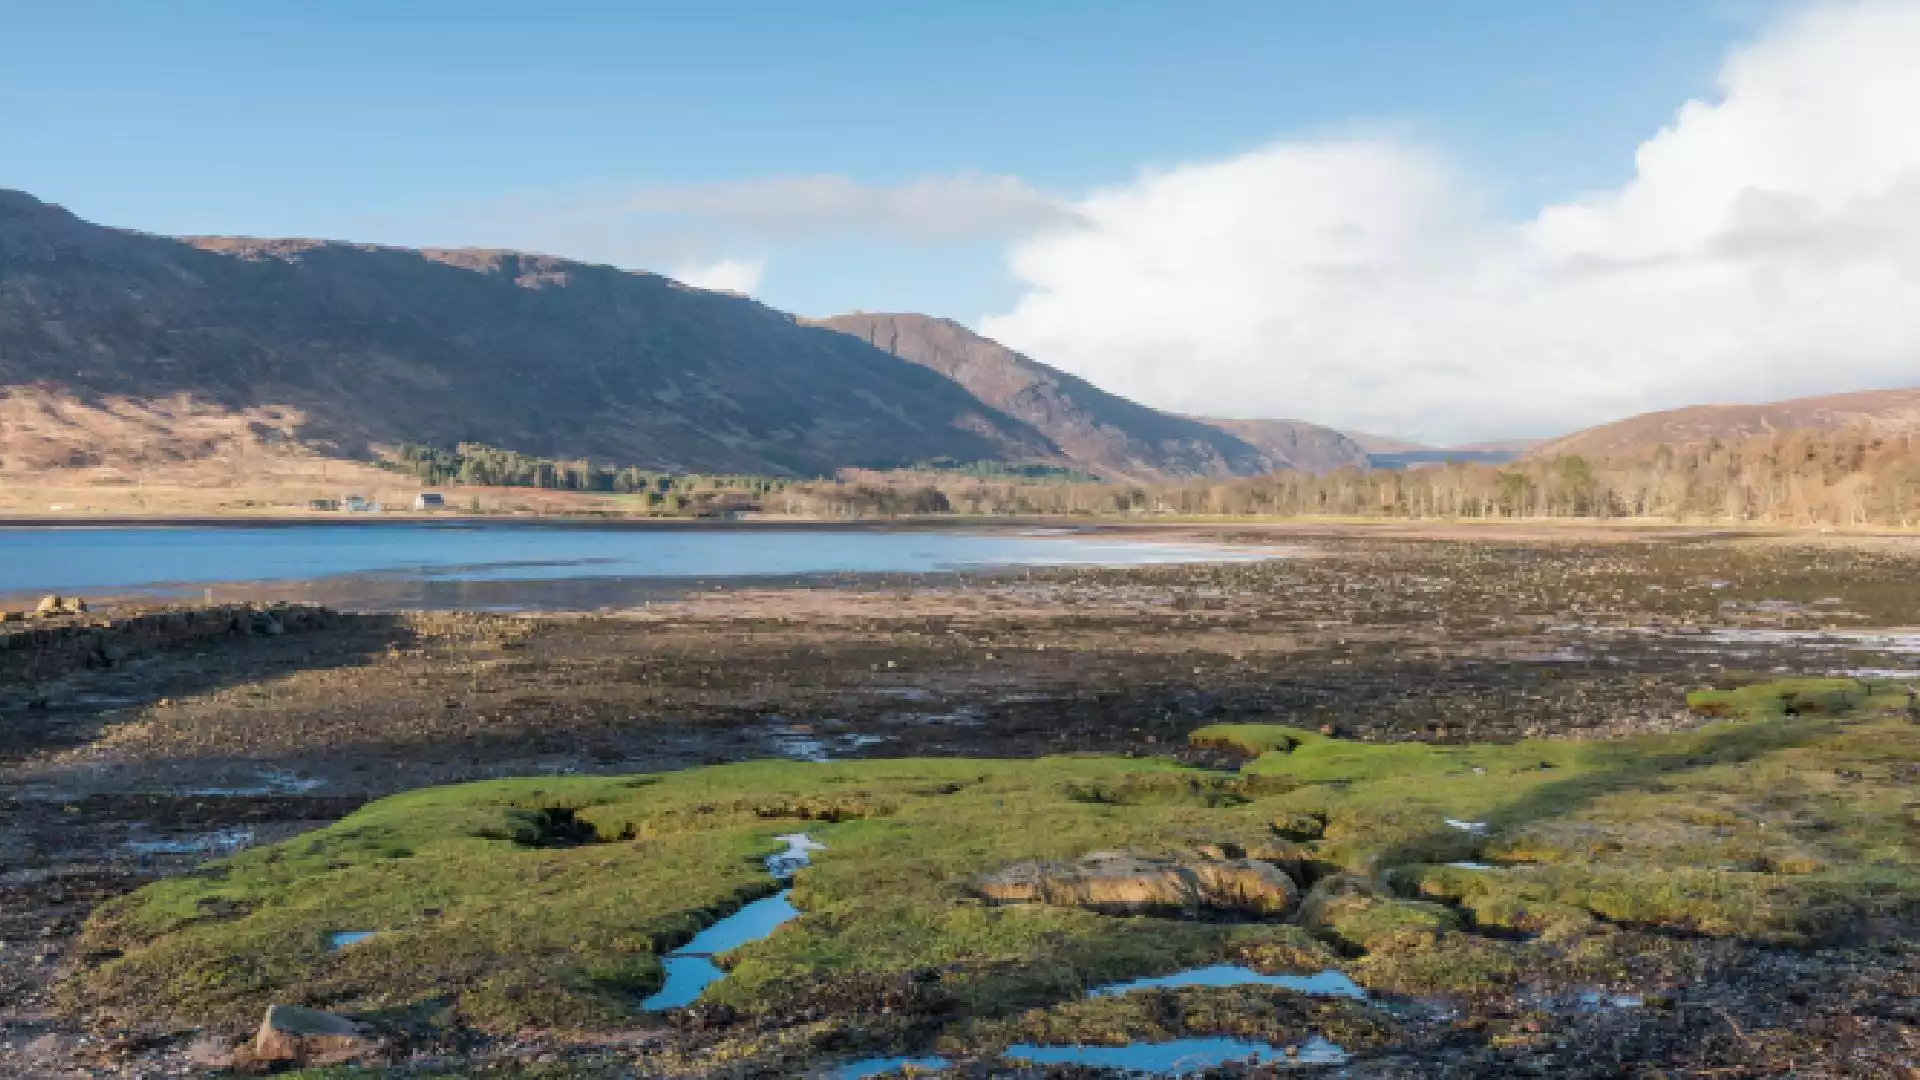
{"type": "Point", "coordinates": [51, 606]}
{"type": "Point", "coordinates": [1120, 883]}
{"type": "Point", "coordinates": [44, 648]}
{"type": "Point", "coordinates": [302, 1036]}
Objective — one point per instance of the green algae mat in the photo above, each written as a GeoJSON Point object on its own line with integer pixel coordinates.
{"type": "Point", "coordinates": [1425, 869]}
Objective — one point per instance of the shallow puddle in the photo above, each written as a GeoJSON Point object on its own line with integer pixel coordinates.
{"type": "Point", "coordinates": [1328, 983]}
{"type": "Point", "coordinates": [1477, 828]}
{"type": "Point", "coordinates": [800, 849]}
{"type": "Point", "coordinates": [1594, 999]}
{"type": "Point", "coordinates": [1470, 865]}
{"type": "Point", "coordinates": [690, 968]}
{"type": "Point", "coordinates": [348, 937]}
{"type": "Point", "coordinates": [272, 782]}
{"type": "Point", "coordinates": [860, 1070]}
{"type": "Point", "coordinates": [1181, 1056]}
{"type": "Point", "coordinates": [802, 746]}
{"type": "Point", "coordinates": [223, 842]}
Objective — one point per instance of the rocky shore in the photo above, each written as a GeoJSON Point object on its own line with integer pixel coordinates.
{"type": "Point", "coordinates": [207, 736]}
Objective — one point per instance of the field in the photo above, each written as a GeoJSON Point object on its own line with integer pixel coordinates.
{"type": "Point", "coordinates": [1570, 804]}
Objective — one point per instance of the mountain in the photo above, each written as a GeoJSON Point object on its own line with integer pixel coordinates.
{"type": "Point", "coordinates": [1099, 432]}
{"type": "Point", "coordinates": [1516, 447]}
{"type": "Point", "coordinates": [1881, 410]}
{"type": "Point", "coordinates": [1385, 452]}
{"type": "Point", "coordinates": [356, 346]}
{"type": "Point", "coordinates": [1385, 444]}
{"type": "Point", "coordinates": [1303, 446]}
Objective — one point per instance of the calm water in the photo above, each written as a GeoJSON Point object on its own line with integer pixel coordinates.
{"type": "Point", "coordinates": [690, 968]}
{"type": "Point", "coordinates": [1180, 1057]}
{"type": "Point", "coordinates": [1327, 983]}
{"type": "Point", "coordinates": [513, 565]}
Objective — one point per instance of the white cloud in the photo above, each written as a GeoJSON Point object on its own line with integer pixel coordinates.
{"type": "Point", "coordinates": [1769, 245]}
{"type": "Point", "coordinates": [931, 209]}
{"type": "Point", "coordinates": [726, 275]}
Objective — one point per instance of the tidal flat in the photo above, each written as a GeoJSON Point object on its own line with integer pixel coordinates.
{"type": "Point", "coordinates": [1695, 844]}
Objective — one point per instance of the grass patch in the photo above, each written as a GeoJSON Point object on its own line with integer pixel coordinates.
{"type": "Point", "coordinates": [548, 902]}
{"type": "Point", "coordinates": [1801, 697]}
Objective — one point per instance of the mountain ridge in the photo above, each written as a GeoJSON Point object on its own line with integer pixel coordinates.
{"type": "Point", "coordinates": [1886, 411]}
{"type": "Point", "coordinates": [373, 345]}
{"type": "Point", "coordinates": [1100, 432]}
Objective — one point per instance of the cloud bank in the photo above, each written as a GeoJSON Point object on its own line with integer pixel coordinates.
{"type": "Point", "coordinates": [1767, 246]}
{"type": "Point", "coordinates": [725, 275]}
{"type": "Point", "coordinates": [930, 209]}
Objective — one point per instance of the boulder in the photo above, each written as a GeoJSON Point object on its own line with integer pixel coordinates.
{"type": "Point", "coordinates": [55, 604]}
{"type": "Point", "coordinates": [1246, 885]}
{"type": "Point", "coordinates": [304, 1036]}
{"type": "Point", "coordinates": [1120, 883]}
{"type": "Point", "coordinates": [1352, 911]}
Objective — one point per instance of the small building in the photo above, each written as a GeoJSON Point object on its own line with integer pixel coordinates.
{"type": "Point", "coordinates": [323, 504]}
{"type": "Point", "coordinates": [359, 504]}
{"type": "Point", "coordinates": [429, 500]}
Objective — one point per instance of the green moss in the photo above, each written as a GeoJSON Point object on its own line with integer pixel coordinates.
{"type": "Point", "coordinates": [548, 902]}
{"type": "Point", "coordinates": [1250, 740]}
{"type": "Point", "coordinates": [1275, 1016]}
{"type": "Point", "coordinates": [1800, 697]}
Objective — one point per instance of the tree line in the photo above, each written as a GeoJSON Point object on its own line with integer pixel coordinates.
{"type": "Point", "coordinates": [1847, 478]}
{"type": "Point", "coordinates": [478, 465]}
{"type": "Point", "coordinates": [1852, 477]}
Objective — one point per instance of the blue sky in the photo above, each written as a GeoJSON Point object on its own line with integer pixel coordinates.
{"type": "Point", "coordinates": [441, 123]}
{"type": "Point", "coordinates": [1446, 220]}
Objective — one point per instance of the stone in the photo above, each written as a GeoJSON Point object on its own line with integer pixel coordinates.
{"type": "Point", "coordinates": [1246, 885]}
{"type": "Point", "coordinates": [51, 605]}
{"type": "Point", "coordinates": [1120, 883]}
{"type": "Point", "coordinates": [303, 1036]}
{"type": "Point", "coordinates": [210, 1052]}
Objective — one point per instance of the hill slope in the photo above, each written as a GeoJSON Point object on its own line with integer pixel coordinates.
{"type": "Point", "coordinates": [1304, 446]}
{"type": "Point", "coordinates": [370, 345]}
{"type": "Point", "coordinates": [1102, 433]}
{"type": "Point", "coordinates": [1884, 410]}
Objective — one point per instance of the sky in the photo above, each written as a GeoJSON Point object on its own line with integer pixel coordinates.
{"type": "Point", "coordinates": [1454, 221]}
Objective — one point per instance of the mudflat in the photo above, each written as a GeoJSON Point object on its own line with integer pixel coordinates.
{"type": "Point", "coordinates": [1561, 803]}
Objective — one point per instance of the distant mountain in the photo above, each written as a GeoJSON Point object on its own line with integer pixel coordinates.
{"type": "Point", "coordinates": [1881, 410]}
{"type": "Point", "coordinates": [1384, 452]}
{"type": "Point", "coordinates": [1303, 446]}
{"type": "Point", "coordinates": [1101, 433]}
{"type": "Point", "coordinates": [357, 345]}
{"type": "Point", "coordinates": [1385, 444]}
{"type": "Point", "coordinates": [1501, 446]}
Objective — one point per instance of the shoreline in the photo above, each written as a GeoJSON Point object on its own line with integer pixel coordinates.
{"type": "Point", "coordinates": [1317, 525]}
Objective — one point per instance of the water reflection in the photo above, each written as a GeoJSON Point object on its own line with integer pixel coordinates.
{"type": "Point", "coordinates": [690, 968]}
{"type": "Point", "coordinates": [1181, 1057]}
{"type": "Point", "coordinates": [1328, 983]}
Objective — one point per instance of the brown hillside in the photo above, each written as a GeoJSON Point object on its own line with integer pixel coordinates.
{"type": "Point", "coordinates": [1882, 410]}
{"type": "Point", "coordinates": [363, 346]}
{"type": "Point", "coordinates": [1304, 446]}
{"type": "Point", "coordinates": [1102, 433]}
